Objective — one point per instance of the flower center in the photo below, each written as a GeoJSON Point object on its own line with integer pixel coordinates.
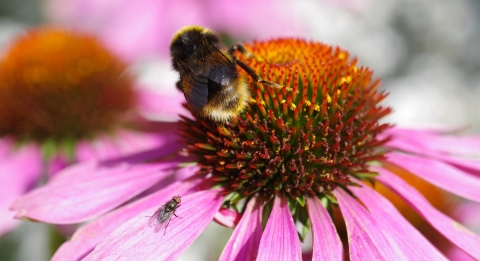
{"type": "Point", "coordinates": [306, 138]}
{"type": "Point", "coordinates": [58, 85]}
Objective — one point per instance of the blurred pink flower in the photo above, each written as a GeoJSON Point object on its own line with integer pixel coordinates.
{"type": "Point", "coordinates": [43, 128]}
{"type": "Point", "coordinates": [141, 28]}
{"type": "Point", "coordinates": [292, 156]}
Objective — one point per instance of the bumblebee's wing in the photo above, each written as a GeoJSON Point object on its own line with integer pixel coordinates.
{"type": "Point", "coordinates": [197, 96]}
{"type": "Point", "coordinates": [222, 74]}
{"type": "Point", "coordinates": [217, 66]}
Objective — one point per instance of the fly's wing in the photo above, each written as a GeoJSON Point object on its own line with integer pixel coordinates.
{"type": "Point", "coordinates": [155, 219]}
{"type": "Point", "coordinates": [160, 218]}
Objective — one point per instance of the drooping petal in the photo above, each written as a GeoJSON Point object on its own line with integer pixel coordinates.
{"type": "Point", "coordinates": [432, 141]}
{"type": "Point", "coordinates": [456, 254]}
{"type": "Point", "coordinates": [410, 241]}
{"type": "Point", "coordinates": [227, 217]}
{"type": "Point", "coordinates": [87, 190]}
{"type": "Point", "coordinates": [136, 240]}
{"type": "Point", "coordinates": [20, 170]}
{"type": "Point", "coordinates": [365, 238]}
{"type": "Point", "coordinates": [280, 239]}
{"type": "Point", "coordinates": [470, 165]}
{"type": "Point", "coordinates": [439, 174]}
{"type": "Point", "coordinates": [452, 230]}
{"type": "Point", "coordinates": [88, 236]}
{"type": "Point", "coordinates": [468, 213]}
{"type": "Point", "coordinates": [244, 242]}
{"type": "Point", "coordinates": [326, 242]}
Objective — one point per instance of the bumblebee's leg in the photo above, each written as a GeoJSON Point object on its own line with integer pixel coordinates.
{"type": "Point", "coordinates": [241, 49]}
{"type": "Point", "coordinates": [246, 52]}
{"type": "Point", "coordinates": [179, 86]}
{"type": "Point", "coordinates": [255, 76]}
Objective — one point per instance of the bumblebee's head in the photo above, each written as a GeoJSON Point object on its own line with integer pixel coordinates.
{"type": "Point", "coordinates": [188, 40]}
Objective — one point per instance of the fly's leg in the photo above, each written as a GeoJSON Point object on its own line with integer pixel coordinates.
{"type": "Point", "coordinates": [176, 210]}
{"type": "Point", "coordinates": [166, 227]}
{"type": "Point", "coordinates": [247, 69]}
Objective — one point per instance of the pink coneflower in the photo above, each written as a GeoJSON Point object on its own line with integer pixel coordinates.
{"type": "Point", "coordinates": [65, 98]}
{"type": "Point", "coordinates": [291, 160]}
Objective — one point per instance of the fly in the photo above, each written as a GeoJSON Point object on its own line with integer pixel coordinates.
{"type": "Point", "coordinates": [161, 217]}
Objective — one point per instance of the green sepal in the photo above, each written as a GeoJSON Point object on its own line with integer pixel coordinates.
{"type": "Point", "coordinates": [330, 197]}
{"type": "Point", "coordinates": [291, 205]}
{"type": "Point", "coordinates": [365, 175]}
{"type": "Point", "coordinates": [301, 200]}
{"type": "Point", "coordinates": [305, 229]}
{"type": "Point", "coordinates": [48, 149]}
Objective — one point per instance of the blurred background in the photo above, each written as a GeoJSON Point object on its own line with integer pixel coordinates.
{"type": "Point", "coordinates": [427, 53]}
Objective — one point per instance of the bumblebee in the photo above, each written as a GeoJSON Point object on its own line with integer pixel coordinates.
{"type": "Point", "coordinates": [208, 74]}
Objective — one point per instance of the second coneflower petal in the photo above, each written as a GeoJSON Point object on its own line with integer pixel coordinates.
{"type": "Point", "coordinates": [124, 143]}
{"type": "Point", "coordinates": [136, 240]}
{"type": "Point", "coordinates": [19, 169]}
{"type": "Point", "coordinates": [280, 239]}
{"type": "Point", "coordinates": [154, 105]}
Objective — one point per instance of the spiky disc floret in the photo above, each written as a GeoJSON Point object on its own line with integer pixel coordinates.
{"type": "Point", "coordinates": [306, 138]}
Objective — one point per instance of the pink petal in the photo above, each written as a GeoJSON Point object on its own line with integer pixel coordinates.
{"type": "Point", "coordinates": [125, 143]}
{"type": "Point", "coordinates": [87, 190]}
{"type": "Point", "coordinates": [280, 239]}
{"type": "Point", "coordinates": [326, 242]}
{"type": "Point", "coordinates": [468, 164]}
{"type": "Point", "coordinates": [136, 240]}
{"type": "Point", "coordinates": [455, 232]}
{"type": "Point", "coordinates": [365, 238]}
{"type": "Point", "coordinates": [409, 240]}
{"type": "Point", "coordinates": [456, 254]}
{"type": "Point", "coordinates": [244, 242]}
{"type": "Point", "coordinates": [57, 163]}
{"type": "Point", "coordinates": [20, 170]}
{"type": "Point", "coordinates": [471, 166]}
{"type": "Point", "coordinates": [468, 213]}
{"type": "Point", "coordinates": [440, 174]}
{"type": "Point", "coordinates": [227, 217]}
{"type": "Point", "coordinates": [164, 106]}
{"type": "Point", "coordinates": [88, 236]}
{"type": "Point", "coordinates": [450, 144]}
